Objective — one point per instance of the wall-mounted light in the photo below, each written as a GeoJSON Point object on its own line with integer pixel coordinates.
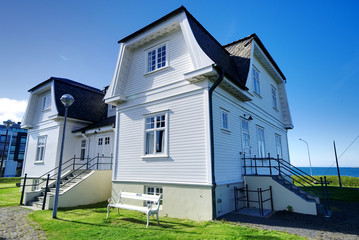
{"type": "Point", "coordinates": [247, 118]}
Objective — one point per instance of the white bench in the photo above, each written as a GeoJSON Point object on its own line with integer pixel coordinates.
{"type": "Point", "coordinates": [152, 207]}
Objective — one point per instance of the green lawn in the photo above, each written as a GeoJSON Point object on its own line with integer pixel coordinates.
{"type": "Point", "coordinates": [91, 223]}
{"type": "Point", "coordinates": [9, 193]}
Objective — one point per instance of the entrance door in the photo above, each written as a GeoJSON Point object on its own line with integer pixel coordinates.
{"type": "Point", "coordinates": [104, 150]}
{"type": "Point", "coordinates": [246, 145]}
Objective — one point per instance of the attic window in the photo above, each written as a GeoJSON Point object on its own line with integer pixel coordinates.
{"type": "Point", "coordinates": [157, 58]}
{"type": "Point", "coordinates": [46, 102]}
{"type": "Point", "coordinates": [256, 81]}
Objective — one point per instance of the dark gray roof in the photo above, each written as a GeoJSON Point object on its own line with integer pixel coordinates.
{"type": "Point", "coordinates": [88, 105]}
{"type": "Point", "coordinates": [105, 122]}
{"type": "Point", "coordinates": [241, 52]}
{"type": "Point", "coordinates": [234, 62]}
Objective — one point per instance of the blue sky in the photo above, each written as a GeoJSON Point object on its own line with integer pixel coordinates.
{"type": "Point", "coordinates": [315, 43]}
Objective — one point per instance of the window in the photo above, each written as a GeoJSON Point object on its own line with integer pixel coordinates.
{"type": "Point", "coordinates": [256, 81]}
{"type": "Point", "coordinates": [100, 141]}
{"type": "Point", "coordinates": [245, 135]}
{"type": "Point", "coordinates": [157, 58]}
{"type": "Point", "coordinates": [40, 151]}
{"type": "Point", "coordinates": [274, 97]}
{"type": "Point", "coordinates": [107, 140]}
{"type": "Point", "coordinates": [155, 134]}
{"type": "Point", "coordinates": [278, 144]}
{"type": "Point", "coordinates": [224, 120]}
{"type": "Point", "coordinates": [261, 144]}
{"type": "Point", "coordinates": [46, 102]}
{"type": "Point", "coordinates": [155, 191]}
{"type": "Point", "coordinates": [113, 106]}
{"type": "Point", "coordinates": [83, 150]}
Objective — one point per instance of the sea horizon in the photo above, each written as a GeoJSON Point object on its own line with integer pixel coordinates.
{"type": "Point", "coordinates": [332, 171]}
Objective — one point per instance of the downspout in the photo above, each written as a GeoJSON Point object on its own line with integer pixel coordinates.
{"type": "Point", "coordinates": [210, 93]}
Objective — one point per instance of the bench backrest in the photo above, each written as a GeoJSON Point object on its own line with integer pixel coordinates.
{"type": "Point", "coordinates": [140, 196]}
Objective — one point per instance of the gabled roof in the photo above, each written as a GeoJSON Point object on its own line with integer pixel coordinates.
{"type": "Point", "coordinates": [88, 105]}
{"type": "Point", "coordinates": [241, 52]}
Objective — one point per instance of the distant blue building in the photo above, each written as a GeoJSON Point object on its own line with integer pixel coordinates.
{"type": "Point", "coordinates": [14, 149]}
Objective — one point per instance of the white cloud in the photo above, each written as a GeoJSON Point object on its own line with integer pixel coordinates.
{"type": "Point", "coordinates": [12, 109]}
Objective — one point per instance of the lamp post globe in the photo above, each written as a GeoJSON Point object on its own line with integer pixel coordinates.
{"type": "Point", "coordinates": [310, 162]}
{"type": "Point", "coordinates": [67, 100]}
{"type": "Point", "coordinates": [7, 124]}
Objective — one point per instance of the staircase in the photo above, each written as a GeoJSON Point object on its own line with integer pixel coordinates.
{"type": "Point", "coordinates": [68, 181]}
{"type": "Point", "coordinates": [285, 174]}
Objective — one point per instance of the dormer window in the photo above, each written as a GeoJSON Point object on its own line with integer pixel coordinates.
{"type": "Point", "coordinates": [46, 102]}
{"type": "Point", "coordinates": [157, 58]}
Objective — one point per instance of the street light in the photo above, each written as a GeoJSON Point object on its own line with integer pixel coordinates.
{"type": "Point", "coordinates": [7, 124]}
{"type": "Point", "coordinates": [310, 163]}
{"type": "Point", "coordinates": [67, 100]}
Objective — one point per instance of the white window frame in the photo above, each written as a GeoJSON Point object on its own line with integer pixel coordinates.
{"type": "Point", "coordinates": [256, 83]}
{"type": "Point", "coordinates": [100, 141]}
{"type": "Point", "coordinates": [274, 98]}
{"type": "Point", "coordinates": [107, 140]}
{"type": "Point", "coordinates": [46, 102]}
{"type": "Point", "coordinates": [164, 152]}
{"type": "Point", "coordinates": [157, 190]}
{"type": "Point", "coordinates": [261, 142]}
{"type": "Point", "coordinates": [278, 145]}
{"type": "Point", "coordinates": [224, 120]}
{"type": "Point", "coordinates": [156, 48]}
{"type": "Point", "coordinates": [40, 149]}
{"type": "Point", "coordinates": [245, 132]}
{"type": "Point", "coordinates": [83, 149]}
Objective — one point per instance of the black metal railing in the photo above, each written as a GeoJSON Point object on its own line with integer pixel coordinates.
{"type": "Point", "coordinates": [279, 167]}
{"type": "Point", "coordinates": [259, 199]}
{"type": "Point", "coordinates": [78, 165]}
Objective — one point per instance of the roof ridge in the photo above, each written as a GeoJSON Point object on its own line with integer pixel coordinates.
{"type": "Point", "coordinates": [253, 35]}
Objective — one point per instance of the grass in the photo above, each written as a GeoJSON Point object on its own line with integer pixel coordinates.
{"type": "Point", "coordinates": [9, 193]}
{"type": "Point", "coordinates": [90, 223]}
{"type": "Point", "coordinates": [348, 192]}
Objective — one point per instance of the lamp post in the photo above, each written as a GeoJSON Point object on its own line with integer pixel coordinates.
{"type": "Point", "coordinates": [7, 124]}
{"type": "Point", "coordinates": [310, 163]}
{"type": "Point", "coordinates": [67, 100]}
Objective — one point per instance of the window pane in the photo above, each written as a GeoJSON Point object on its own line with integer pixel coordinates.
{"type": "Point", "coordinates": [149, 142]}
{"type": "Point", "coordinates": [160, 141]}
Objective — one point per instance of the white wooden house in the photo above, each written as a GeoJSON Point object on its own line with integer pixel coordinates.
{"type": "Point", "coordinates": [89, 138]}
{"type": "Point", "coordinates": [188, 111]}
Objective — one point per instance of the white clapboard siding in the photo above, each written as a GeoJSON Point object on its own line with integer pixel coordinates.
{"type": "Point", "coordinates": [179, 63]}
{"type": "Point", "coordinates": [187, 148]}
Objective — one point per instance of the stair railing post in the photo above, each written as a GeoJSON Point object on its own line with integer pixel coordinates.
{"type": "Point", "coordinates": [23, 189]}
{"type": "Point", "coordinates": [247, 195]}
{"type": "Point", "coordinates": [278, 164]}
{"type": "Point", "coordinates": [255, 164]}
{"type": "Point", "coordinates": [235, 198]}
{"type": "Point", "coordinates": [271, 197]}
{"type": "Point", "coordinates": [87, 165]}
{"type": "Point", "coordinates": [259, 202]}
{"type": "Point", "coordinates": [111, 161]}
{"type": "Point", "coordinates": [244, 164]}
{"type": "Point", "coordinates": [270, 165]}
{"type": "Point", "coordinates": [98, 157]}
{"type": "Point", "coordinates": [326, 195]}
{"type": "Point", "coordinates": [73, 168]}
{"type": "Point", "coordinates": [45, 195]}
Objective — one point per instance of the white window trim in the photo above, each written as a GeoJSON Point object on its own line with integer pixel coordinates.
{"type": "Point", "coordinates": [276, 145]}
{"type": "Point", "coordinates": [155, 187]}
{"type": "Point", "coordinates": [264, 142]}
{"type": "Point", "coordinates": [254, 83]}
{"type": "Point", "coordinates": [274, 101]}
{"type": "Point", "coordinates": [153, 48]}
{"type": "Point", "coordinates": [165, 148]}
{"type": "Point", "coordinates": [47, 96]}
{"type": "Point", "coordinates": [44, 150]}
{"type": "Point", "coordinates": [83, 148]}
{"type": "Point", "coordinates": [224, 111]}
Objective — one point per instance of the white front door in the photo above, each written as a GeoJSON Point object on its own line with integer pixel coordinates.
{"type": "Point", "coordinates": [104, 150]}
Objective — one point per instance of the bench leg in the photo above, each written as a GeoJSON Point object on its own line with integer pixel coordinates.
{"type": "Point", "coordinates": [118, 211]}
{"type": "Point", "coordinates": [158, 221]}
{"type": "Point", "coordinates": [108, 210]}
{"type": "Point", "coordinates": [148, 219]}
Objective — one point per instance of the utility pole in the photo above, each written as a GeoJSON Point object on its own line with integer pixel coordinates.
{"type": "Point", "coordinates": [336, 159]}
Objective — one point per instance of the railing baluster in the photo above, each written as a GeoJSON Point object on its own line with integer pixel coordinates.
{"type": "Point", "coordinates": [111, 161]}
{"type": "Point", "coordinates": [23, 190]}
{"type": "Point", "coordinates": [279, 172]}
{"type": "Point", "coordinates": [255, 165]}
{"type": "Point", "coordinates": [271, 197]}
{"type": "Point", "coordinates": [74, 162]}
{"type": "Point", "coordinates": [98, 157]}
{"type": "Point", "coordinates": [45, 195]}
{"type": "Point", "coordinates": [270, 165]}
{"type": "Point", "coordinates": [244, 164]}
{"type": "Point", "coordinates": [247, 195]}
